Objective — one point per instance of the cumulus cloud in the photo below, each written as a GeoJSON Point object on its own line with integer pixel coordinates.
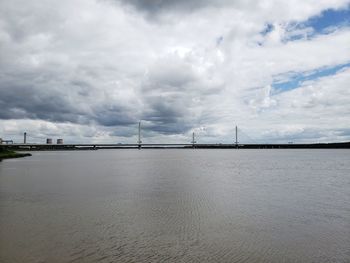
{"type": "Point", "coordinates": [97, 67]}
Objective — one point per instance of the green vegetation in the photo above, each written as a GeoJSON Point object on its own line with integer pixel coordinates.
{"type": "Point", "coordinates": [5, 154]}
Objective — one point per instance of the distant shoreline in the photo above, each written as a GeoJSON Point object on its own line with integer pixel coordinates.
{"type": "Point", "coordinates": [8, 154]}
{"type": "Point", "coordinates": [77, 147]}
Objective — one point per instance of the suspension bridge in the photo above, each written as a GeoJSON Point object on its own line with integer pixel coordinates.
{"type": "Point", "coordinates": [250, 144]}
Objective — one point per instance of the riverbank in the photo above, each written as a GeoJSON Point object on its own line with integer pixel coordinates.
{"type": "Point", "coordinates": [6, 154]}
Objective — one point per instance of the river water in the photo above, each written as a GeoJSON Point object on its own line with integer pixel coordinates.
{"type": "Point", "coordinates": [176, 205]}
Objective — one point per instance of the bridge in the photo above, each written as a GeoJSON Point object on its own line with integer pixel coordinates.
{"type": "Point", "coordinates": [93, 146]}
{"type": "Point", "coordinates": [140, 145]}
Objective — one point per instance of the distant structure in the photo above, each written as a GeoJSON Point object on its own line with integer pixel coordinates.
{"type": "Point", "coordinates": [48, 141]}
{"type": "Point", "coordinates": [193, 140]}
{"type": "Point", "coordinates": [24, 138]}
{"type": "Point", "coordinates": [139, 142]}
{"type": "Point", "coordinates": [59, 141]}
{"type": "Point", "coordinates": [6, 141]}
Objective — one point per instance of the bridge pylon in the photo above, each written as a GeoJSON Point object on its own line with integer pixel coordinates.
{"type": "Point", "coordinates": [193, 140]}
{"type": "Point", "coordinates": [139, 142]}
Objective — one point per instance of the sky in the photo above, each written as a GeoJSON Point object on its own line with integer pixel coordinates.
{"type": "Point", "coordinates": [90, 70]}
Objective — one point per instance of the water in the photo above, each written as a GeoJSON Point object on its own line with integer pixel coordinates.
{"type": "Point", "coordinates": [176, 206]}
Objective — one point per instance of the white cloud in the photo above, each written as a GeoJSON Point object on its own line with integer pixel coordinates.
{"type": "Point", "coordinates": [317, 110]}
{"type": "Point", "coordinates": [98, 67]}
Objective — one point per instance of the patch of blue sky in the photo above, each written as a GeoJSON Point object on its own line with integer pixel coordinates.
{"type": "Point", "coordinates": [328, 19]}
{"type": "Point", "coordinates": [293, 80]}
{"type": "Point", "coordinates": [326, 22]}
{"type": "Point", "coordinates": [267, 29]}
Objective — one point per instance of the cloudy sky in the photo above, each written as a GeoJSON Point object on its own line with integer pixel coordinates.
{"type": "Point", "coordinates": [89, 70]}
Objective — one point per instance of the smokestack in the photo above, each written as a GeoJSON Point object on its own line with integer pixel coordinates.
{"type": "Point", "coordinates": [25, 138]}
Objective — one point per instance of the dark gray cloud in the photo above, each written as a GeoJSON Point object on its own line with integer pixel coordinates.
{"type": "Point", "coordinates": [168, 93]}
{"type": "Point", "coordinates": [21, 102]}
{"type": "Point", "coordinates": [167, 115]}
{"type": "Point", "coordinates": [54, 95]}
{"type": "Point", "coordinates": [30, 103]}
{"type": "Point", "coordinates": [38, 96]}
{"type": "Point", "coordinates": [179, 127]}
{"type": "Point", "coordinates": [158, 7]}
{"type": "Point", "coordinates": [114, 116]}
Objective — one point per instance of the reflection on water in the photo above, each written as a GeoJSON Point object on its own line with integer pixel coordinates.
{"type": "Point", "coordinates": [176, 205]}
